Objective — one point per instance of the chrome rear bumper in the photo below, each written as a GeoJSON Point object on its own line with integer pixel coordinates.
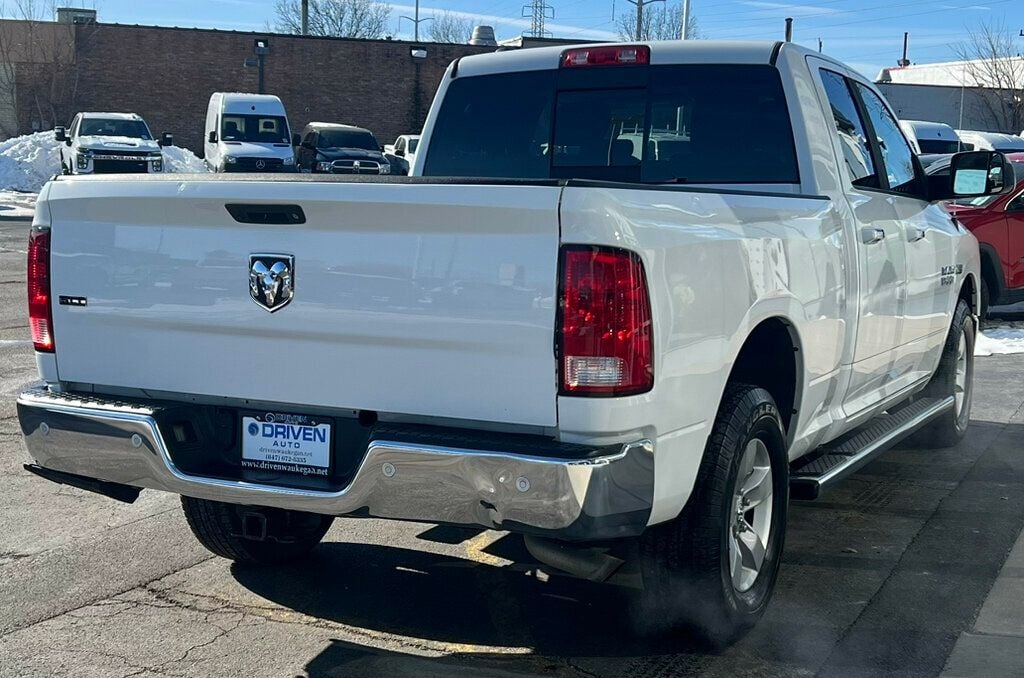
{"type": "Point", "coordinates": [594, 497]}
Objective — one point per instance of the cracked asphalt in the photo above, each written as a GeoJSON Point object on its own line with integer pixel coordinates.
{"type": "Point", "coordinates": [879, 577]}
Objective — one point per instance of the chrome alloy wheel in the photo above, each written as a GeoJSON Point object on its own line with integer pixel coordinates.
{"type": "Point", "coordinates": [960, 380]}
{"type": "Point", "coordinates": [751, 515]}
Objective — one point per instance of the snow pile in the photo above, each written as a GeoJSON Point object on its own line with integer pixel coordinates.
{"type": "Point", "coordinates": [28, 162]}
{"type": "Point", "coordinates": [183, 161]}
{"type": "Point", "coordinates": [1000, 340]}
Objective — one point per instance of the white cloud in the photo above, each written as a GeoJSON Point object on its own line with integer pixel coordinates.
{"type": "Point", "coordinates": [790, 9]}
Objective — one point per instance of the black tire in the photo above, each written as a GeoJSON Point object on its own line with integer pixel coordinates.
{"type": "Point", "coordinates": [951, 427]}
{"type": "Point", "coordinates": [685, 563]}
{"type": "Point", "coordinates": [285, 535]}
{"type": "Point", "coordinates": [984, 300]}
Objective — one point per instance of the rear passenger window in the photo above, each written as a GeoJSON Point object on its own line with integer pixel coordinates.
{"type": "Point", "coordinates": [853, 137]}
{"type": "Point", "coordinates": [897, 156]}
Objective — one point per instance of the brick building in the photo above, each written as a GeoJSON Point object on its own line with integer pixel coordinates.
{"type": "Point", "coordinates": [167, 75]}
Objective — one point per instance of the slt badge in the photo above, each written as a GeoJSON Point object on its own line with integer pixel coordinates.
{"type": "Point", "coordinates": [272, 280]}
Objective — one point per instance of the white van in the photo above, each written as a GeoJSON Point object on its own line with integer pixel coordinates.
{"type": "Point", "coordinates": [248, 133]}
{"type": "Point", "coordinates": [991, 141]}
{"type": "Point", "coordinates": [931, 137]}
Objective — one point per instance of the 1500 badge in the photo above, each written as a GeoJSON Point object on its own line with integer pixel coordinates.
{"type": "Point", "coordinates": [949, 274]}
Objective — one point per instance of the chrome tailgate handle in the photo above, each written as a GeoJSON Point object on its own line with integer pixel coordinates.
{"type": "Point", "coordinates": [870, 236]}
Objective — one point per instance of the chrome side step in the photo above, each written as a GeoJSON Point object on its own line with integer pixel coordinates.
{"type": "Point", "coordinates": [842, 457]}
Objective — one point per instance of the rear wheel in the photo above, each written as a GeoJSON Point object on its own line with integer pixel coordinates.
{"type": "Point", "coordinates": [249, 534]}
{"type": "Point", "coordinates": [954, 377]}
{"type": "Point", "coordinates": [712, 570]}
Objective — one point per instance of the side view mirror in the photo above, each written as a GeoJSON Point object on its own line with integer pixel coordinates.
{"type": "Point", "coordinates": [400, 152]}
{"type": "Point", "coordinates": [382, 148]}
{"type": "Point", "coordinates": [166, 139]}
{"type": "Point", "coordinates": [295, 140]}
{"type": "Point", "coordinates": [307, 144]}
{"type": "Point", "coordinates": [60, 134]}
{"type": "Point", "coordinates": [212, 138]}
{"type": "Point", "coordinates": [974, 174]}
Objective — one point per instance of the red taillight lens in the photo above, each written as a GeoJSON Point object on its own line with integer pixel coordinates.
{"type": "Point", "coordinates": [40, 316]}
{"type": "Point", "coordinates": [618, 55]}
{"type": "Point", "coordinates": [606, 342]}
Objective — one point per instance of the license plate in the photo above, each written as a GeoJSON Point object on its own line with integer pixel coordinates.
{"type": "Point", "coordinates": [286, 442]}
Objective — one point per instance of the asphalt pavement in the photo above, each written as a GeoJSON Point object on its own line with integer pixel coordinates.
{"type": "Point", "coordinates": [885, 575]}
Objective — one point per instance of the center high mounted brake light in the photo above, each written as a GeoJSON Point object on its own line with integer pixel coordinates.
{"type": "Point", "coordinates": [617, 55]}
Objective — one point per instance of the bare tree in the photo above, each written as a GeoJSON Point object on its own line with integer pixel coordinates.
{"type": "Point", "coordinates": [336, 18]}
{"type": "Point", "coordinates": [661, 22]}
{"type": "Point", "coordinates": [448, 27]}
{"type": "Point", "coordinates": [38, 71]}
{"type": "Point", "coordinates": [993, 63]}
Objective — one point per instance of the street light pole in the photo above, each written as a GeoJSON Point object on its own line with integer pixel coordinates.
{"type": "Point", "coordinates": [684, 31]}
{"type": "Point", "coordinates": [416, 21]}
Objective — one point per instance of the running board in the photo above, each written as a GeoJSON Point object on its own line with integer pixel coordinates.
{"type": "Point", "coordinates": [842, 457]}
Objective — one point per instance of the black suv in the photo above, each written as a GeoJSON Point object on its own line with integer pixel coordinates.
{"type": "Point", "coordinates": [340, 149]}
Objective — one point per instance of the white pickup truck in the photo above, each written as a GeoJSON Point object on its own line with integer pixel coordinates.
{"type": "Point", "coordinates": [632, 336]}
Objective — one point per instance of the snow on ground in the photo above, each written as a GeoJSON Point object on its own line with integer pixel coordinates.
{"type": "Point", "coordinates": [1000, 339]}
{"type": "Point", "coordinates": [28, 162]}
{"type": "Point", "coordinates": [14, 204]}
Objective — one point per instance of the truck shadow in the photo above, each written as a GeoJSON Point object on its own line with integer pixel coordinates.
{"type": "Point", "coordinates": [491, 619]}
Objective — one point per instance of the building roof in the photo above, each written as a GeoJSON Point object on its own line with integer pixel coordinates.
{"type": "Point", "coordinates": [972, 73]}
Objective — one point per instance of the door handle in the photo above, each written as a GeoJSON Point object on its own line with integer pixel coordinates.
{"type": "Point", "coordinates": [914, 234]}
{"type": "Point", "coordinates": [869, 236]}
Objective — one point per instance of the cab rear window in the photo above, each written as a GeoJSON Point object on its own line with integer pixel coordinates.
{"type": "Point", "coordinates": [680, 124]}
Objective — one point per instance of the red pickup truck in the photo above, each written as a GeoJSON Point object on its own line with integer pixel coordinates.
{"type": "Point", "coordinates": [998, 223]}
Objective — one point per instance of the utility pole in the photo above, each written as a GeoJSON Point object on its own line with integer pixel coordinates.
{"type": "Point", "coordinates": [684, 31]}
{"type": "Point", "coordinates": [539, 12]}
{"type": "Point", "coordinates": [639, 33]}
{"type": "Point", "coordinates": [819, 45]}
{"type": "Point", "coordinates": [305, 17]}
{"type": "Point", "coordinates": [416, 21]}
{"type": "Point", "coordinates": [789, 29]}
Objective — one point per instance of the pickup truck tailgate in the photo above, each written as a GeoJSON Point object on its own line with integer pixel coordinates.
{"type": "Point", "coordinates": [421, 299]}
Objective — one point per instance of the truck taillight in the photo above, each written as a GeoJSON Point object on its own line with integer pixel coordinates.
{"type": "Point", "coordinates": [40, 315]}
{"type": "Point", "coordinates": [618, 55]}
{"type": "Point", "coordinates": [606, 334]}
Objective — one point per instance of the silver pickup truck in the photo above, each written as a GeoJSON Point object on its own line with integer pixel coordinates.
{"type": "Point", "coordinates": [632, 336]}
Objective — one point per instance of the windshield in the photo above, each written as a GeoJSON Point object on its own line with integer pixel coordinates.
{"type": "Point", "coordinates": [101, 127]}
{"type": "Point", "coordinates": [938, 146]}
{"type": "Point", "coordinates": [264, 129]}
{"type": "Point", "coordinates": [344, 138]}
{"type": "Point", "coordinates": [691, 123]}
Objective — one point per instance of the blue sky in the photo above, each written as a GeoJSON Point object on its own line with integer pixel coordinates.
{"type": "Point", "coordinates": [867, 34]}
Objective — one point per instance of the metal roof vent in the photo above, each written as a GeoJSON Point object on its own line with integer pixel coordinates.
{"type": "Point", "coordinates": [483, 35]}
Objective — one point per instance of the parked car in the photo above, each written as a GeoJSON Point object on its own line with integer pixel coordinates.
{"type": "Point", "coordinates": [105, 143]}
{"type": "Point", "coordinates": [404, 147]}
{"type": "Point", "coordinates": [632, 359]}
{"type": "Point", "coordinates": [997, 221]}
{"type": "Point", "coordinates": [931, 137]}
{"type": "Point", "coordinates": [991, 141]}
{"type": "Point", "coordinates": [248, 133]}
{"type": "Point", "coordinates": [340, 149]}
